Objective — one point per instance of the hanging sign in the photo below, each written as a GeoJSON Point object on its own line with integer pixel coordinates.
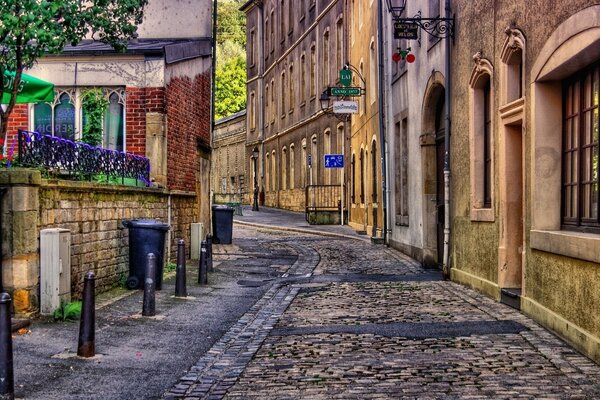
{"type": "Point", "coordinates": [406, 30]}
{"type": "Point", "coordinates": [345, 107]}
{"type": "Point", "coordinates": [345, 77]}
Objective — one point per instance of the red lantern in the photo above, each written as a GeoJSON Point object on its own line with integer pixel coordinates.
{"type": "Point", "coordinates": [410, 58]}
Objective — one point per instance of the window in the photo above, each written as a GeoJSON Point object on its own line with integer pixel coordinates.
{"type": "Point", "coordinates": [353, 165]}
{"type": "Point", "coordinates": [302, 77]}
{"type": "Point", "coordinates": [314, 161]}
{"type": "Point", "coordinates": [339, 44]}
{"type": "Point", "coordinates": [326, 66]}
{"type": "Point", "coordinates": [252, 111]}
{"type": "Point", "coordinates": [313, 72]}
{"type": "Point", "coordinates": [267, 38]}
{"type": "Point", "coordinates": [401, 175]}
{"type": "Point", "coordinates": [282, 22]}
{"type": "Point", "coordinates": [268, 173]}
{"type": "Point", "coordinates": [283, 168]}
{"type": "Point", "coordinates": [272, 31]}
{"type": "Point", "coordinates": [362, 175]}
{"type": "Point", "coordinates": [283, 95]}
{"type": "Point", "coordinates": [372, 72]}
{"type": "Point", "coordinates": [304, 165]}
{"type": "Point", "coordinates": [580, 206]}
{"type": "Point", "coordinates": [374, 175]}
{"type": "Point", "coordinates": [481, 140]}
{"type": "Point", "coordinates": [267, 106]}
{"type": "Point", "coordinates": [273, 172]}
{"type": "Point", "coordinates": [291, 83]}
{"type": "Point", "coordinates": [292, 167]}
{"type": "Point", "coordinates": [290, 18]}
{"type": "Point", "coordinates": [251, 48]}
{"type": "Point", "coordinates": [361, 99]}
{"type": "Point", "coordinates": [65, 117]}
{"type": "Point", "coordinates": [273, 106]}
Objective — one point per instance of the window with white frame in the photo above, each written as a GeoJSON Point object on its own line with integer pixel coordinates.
{"type": "Point", "coordinates": [65, 118]}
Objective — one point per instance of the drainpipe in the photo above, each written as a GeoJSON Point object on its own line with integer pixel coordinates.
{"type": "Point", "coordinates": [261, 86]}
{"type": "Point", "coordinates": [382, 120]}
{"type": "Point", "coordinates": [447, 126]}
{"type": "Point", "coordinates": [214, 71]}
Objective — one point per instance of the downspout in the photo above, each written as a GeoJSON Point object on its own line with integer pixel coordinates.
{"type": "Point", "coordinates": [382, 119]}
{"type": "Point", "coordinates": [212, 106]}
{"type": "Point", "coordinates": [261, 85]}
{"type": "Point", "coordinates": [447, 126]}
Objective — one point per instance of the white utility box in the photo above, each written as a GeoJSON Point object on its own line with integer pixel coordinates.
{"type": "Point", "coordinates": [55, 269]}
{"type": "Point", "coordinates": [197, 236]}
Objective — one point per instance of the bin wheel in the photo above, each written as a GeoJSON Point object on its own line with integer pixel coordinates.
{"type": "Point", "coordinates": [132, 282]}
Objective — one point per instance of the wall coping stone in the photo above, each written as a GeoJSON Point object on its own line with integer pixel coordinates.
{"type": "Point", "coordinates": [20, 176]}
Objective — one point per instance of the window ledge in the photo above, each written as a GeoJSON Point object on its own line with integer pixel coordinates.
{"type": "Point", "coordinates": [482, 214]}
{"type": "Point", "coordinates": [584, 246]}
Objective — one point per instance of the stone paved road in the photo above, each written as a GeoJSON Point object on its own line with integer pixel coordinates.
{"type": "Point", "coordinates": [352, 320]}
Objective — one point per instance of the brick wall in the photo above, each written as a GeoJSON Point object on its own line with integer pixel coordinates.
{"type": "Point", "coordinates": [188, 121]}
{"type": "Point", "coordinates": [135, 124]}
{"type": "Point", "coordinates": [19, 119]}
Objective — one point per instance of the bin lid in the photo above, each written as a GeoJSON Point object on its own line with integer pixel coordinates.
{"type": "Point", "coordinates": [221, 207]}
{"type": "Point", "coordinates": [146, 224]}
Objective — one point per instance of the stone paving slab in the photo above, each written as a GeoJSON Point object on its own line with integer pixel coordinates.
{"type": "Point", "coordinates": [351, 320]}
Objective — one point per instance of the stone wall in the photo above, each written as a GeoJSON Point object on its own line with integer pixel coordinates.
{"type": "Point", "coordinates": [94, 214]}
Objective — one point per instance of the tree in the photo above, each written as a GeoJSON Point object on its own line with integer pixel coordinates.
{"type": "Point", "coordinates": [230, 85]}
{"type": "Point", "coordinates": [30, 29]}
{"type": "Point", "coordinates": [230, 93]}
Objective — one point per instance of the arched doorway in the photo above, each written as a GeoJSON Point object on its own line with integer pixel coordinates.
{"type": "Point", "coordinates": [432, 166]}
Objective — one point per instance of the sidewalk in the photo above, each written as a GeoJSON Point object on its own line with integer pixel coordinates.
{"type": "Point", "coordinates": [285, 220]}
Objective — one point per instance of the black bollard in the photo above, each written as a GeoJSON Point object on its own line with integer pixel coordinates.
{"type": "Point", "coordinates": [149, 305]}
{"type": "Point", "coordinates": [7, 383]}
{"type": "Point", "coordinates": [202, 271]}
{"type": "Point", "coordinates": [209, 253]}
{"type": "Point", "coordinates": [87, 323]}
{"type": "Point", "coordinates": [180, 286]}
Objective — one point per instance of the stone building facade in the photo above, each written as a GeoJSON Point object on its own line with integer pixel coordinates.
{"type": "Point", "coordinates": [295, 50]}
{"type": "Point", "coordinates": [229, 168]}
{"type": "Point", "coordinates": [159, 92]}
{"type": "Point", "coordinates": [526, 210]}
{"type": "Point", "coordinates": [366, 169]}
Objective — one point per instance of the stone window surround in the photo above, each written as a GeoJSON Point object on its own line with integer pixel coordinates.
{"type": "Point", "coordinates": [572, 45]}
{"type": "Point", "coordinates": [483, 68]}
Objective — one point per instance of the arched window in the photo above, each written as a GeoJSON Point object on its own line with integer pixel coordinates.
{"type": "Point", "coordinates": [284, 168]}
{"type": "Point", "coordinates": [292, 167]}
{"type": "Point", "coordinates": [362, 175]}
{"type": "Point", "coordinates": [481, 139]}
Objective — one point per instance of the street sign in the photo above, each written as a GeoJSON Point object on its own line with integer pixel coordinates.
{"type": "Point", "coordinates": [345, 76]}
{"type": "Point", "coordinates": [309, 160]}
{"type": "Point", "coordinates": [334, 161]}
{"type": "Point", "coordinates": [345, 107]}
{"type": "Point", "coordinates": [345, 91]}
{"type": "Point", "coordinates": [405, 30]}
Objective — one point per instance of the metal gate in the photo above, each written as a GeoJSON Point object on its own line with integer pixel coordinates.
{"type": "Point", "coordinates": [322, 199]}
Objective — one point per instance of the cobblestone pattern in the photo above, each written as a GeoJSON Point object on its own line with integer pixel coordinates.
{"type": "Point", "coordinates": [215, 373]}
{"type": "Point", "coordinates": [354, 257]}
{"type": "Point", "coordinates": [371, 302]}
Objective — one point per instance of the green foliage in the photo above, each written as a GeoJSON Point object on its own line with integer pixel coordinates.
{"type": "Point", "coordinates": [231, 23]}
{"type": "Point", "coordinates": [170, 267]}
{"type": "Point", "coordinates": [230, 85]}
{"type": "Point", "coordinates": [94, 104]}
{"type": "Point", "coordinates": [30, 29]}
{"type": "Point", "coordinates": [230, 92]}
{"type": "Point", "coordinates": [68, 312]}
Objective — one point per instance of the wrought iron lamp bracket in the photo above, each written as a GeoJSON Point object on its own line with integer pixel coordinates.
{"type": "Point", "coordinates": [437, 27]}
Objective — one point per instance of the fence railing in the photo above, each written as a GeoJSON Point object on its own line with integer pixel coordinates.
{"type": "Point", "coordinates": [323, 197]}
{"type": "Point", "coordinates": [80, 160]}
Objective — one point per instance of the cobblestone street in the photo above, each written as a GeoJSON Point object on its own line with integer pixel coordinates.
{"type": "Point", "coordinates": [348, 319]}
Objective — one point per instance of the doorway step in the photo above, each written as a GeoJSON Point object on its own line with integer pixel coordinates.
{"type": "Point", "coordinates": [511, 297]}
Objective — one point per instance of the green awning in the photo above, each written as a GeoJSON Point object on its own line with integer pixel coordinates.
{"type": "Point", "coordinates": [32, 90]}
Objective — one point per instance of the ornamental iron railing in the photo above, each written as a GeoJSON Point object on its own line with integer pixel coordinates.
{"type": "Point", "coordinates": [80, 160]}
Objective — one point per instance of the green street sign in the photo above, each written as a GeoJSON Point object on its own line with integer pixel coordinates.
{"type": "Point", "coordinates": [345, 76]}
{"type": "Point", "coordinates": [345, 91]}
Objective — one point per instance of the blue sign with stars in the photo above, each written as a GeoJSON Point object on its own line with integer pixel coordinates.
{"type": "Point", "coordinates": [334, 161]}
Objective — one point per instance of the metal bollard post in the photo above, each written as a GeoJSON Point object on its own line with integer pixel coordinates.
{"type": "Point", "coordinates": [87, 323]}
{"type": "Point", "coordinates": [202, 271]}
{"type": "Point", "coordinates": [209, 253]}
{"type": "Point", "coordinates": [7, 383]}
{"type": "Point", "coordinates": [180, 284]}
{"type": "Point", "coordinates": [149, 304]}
